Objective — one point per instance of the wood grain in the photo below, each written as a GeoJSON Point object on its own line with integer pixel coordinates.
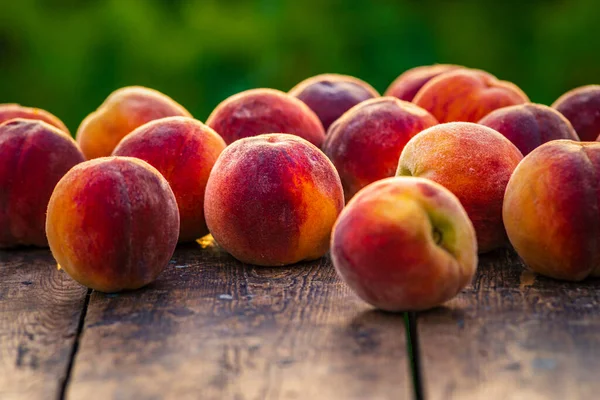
{"type": "Point", "coordinates": [513, 335]}
{"type": "Point", "coordinates": [40, 308]}
{"type": "Point", "coordinates": [213, 328]}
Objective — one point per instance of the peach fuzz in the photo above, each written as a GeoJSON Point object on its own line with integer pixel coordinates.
{"type": "Point", "coordinates": [272, 200]}
{"type": "Point", "coordinates": [331, 95]}
{"type": "Point", "coordinates": [12, 111]}
{"type": "Point", "coordinates": [366, 142]}
{"type": "Point", "coordinates": [528, 126]}
{"type": "Point", "coordinates": [34, 156]}
{"type": "Point", "coordinates": [123, 111]}
{"type": "Point", "coordinates": [467, 95]}
{"type": "Point", "coordinates": [184, 151]}
{"type": "Point", "coordinates": [113, 223]}
{"type": "Point", "coordinates": [475, 163]}
{"type": "Point", "coordinates": [258, 111]}
{"type": "Point", "coordinates": [551, 210]}
{"type": "Point", "coordinates": [581, 106]}
{"type": "Point", "coordinates": [404, 244]}
{"type": "Point", "coordinates": [407, 84]}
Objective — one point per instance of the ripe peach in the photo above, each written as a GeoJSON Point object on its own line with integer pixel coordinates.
{"type": "Point", "coordinates": [259, 111]}
{"type": "Point", "coordinates": [551, 209]}
{"type": "Point", "coordinates": [113, 223]}
{"type": "Point", "coordinates": [34, 156]}
{"type": "Point", "coordinates": [12, 111]}
{"type": "Point", "coordinates": [528, 126]}
{"type": "Point", "coordinates": [404, 244]}
{"type": "Point", "coordinates": [331, 95]}
{"type": "Point", "coordinates": [184, 151]}
{"type": "Point", "coordinates": [406, 86]}
{"type": "Point", "coordinates": [272, 200]}
{"type": "Point", "coordinates": [366, 142]}
{"type": "Point", "coordinates": [467, 95]}
{"type": "Point", "coordinates": [123, 111]}
{"type": "Point", "coordinates": [581, 106]}
{"type": "Point", "coordinates": [475, 163]}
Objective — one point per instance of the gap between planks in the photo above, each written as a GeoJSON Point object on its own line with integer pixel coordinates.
{"type": "Point", "coordinates": [413, 352]}
{"type": "Point", "coordinates": [73, 355]}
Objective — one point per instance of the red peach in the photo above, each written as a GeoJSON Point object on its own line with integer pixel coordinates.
{"type": "Point", "coordinates": [12, 111]}
{"type": "Point", "coordinates": [551, 209]}
{"type": "Point", "coordinates": [331, 95]}
{"type": "Point", "coordinates": [259, 111]}
{"type": "Point", "coordinates": [467, 95]}
{"type": "Point", "coordinates": [475, 163]}
{"type": "Point", "coordinates": [272, 200]}
{"type": "Point", "coordinates": [404, 244]}
{"type": "Point", "coordinates": [123, 111]}
{"type": "Point", "coordinates": [366, 142]}
{"type": "Point", "coordinates": [184, 151]}
{"type": "Point", "coordinates": [113, 223]}
{"type": "Point", "coordinates": [406, 86]}
{"type": "Point", "coordinates": [34, 156]}
{"type": "Point", "coordinates": [581, 106]}
{"type": "Point", "coordinates": [528, 126]}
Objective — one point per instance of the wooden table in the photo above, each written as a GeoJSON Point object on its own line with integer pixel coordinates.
{"type": "Point", "coordinates": [213, 328]}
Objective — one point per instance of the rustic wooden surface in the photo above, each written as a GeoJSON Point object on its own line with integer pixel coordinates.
{"type": "Point", "coordinates": [213, 328]}
{"type": "Point", "coordinates": [40, 309]}
{"type": "Point", "coordinates": [513, 335]}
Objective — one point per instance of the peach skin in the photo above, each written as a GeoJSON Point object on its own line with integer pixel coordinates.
{"type": "Point", "coordinates": [331, 95]}
{"type": "Point", "coordinates": [551, 210]}
{"type": "Point", "coordinates": [475, 163]}
{"type": "Point", "coordinates": [581, 106]}
{"type": "Point", "coordinates": [34, 156]}
{"type": "Point", "coordinates": [528, 126]}
{"type": "Point", "coordinates": [113, 223]}
{"type": "Point", "coordinates": [272, 200]}
{"type": "Point", "coordinates": [12, 111]}
{"type": "Point", "coordinates": [123, 111]}
{"type": "Point", "coordinates": [366, 142]}
{"type": "Point", "coordinates": [467, 95]}
{"type": "Point", "coordinates": [406, 86]}
{"type": "Point", "coordinates": [184, 151]}
{"type": "Point", "coordinates": [259, 111]}
{"type": "Point", "coordinates": [404, 244]}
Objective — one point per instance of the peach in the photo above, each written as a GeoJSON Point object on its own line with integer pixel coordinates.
{"type": "Point", "coordinates": [528, 126]}
{"type": "Point", "coordinates": [272, 200]}
{"type": "Point", "coordinates": [475, 163]}
{"type": "Point", "coordinates": [331, 95]}
{"type": "Point", "coordinates": [123, 111]}
{"type": "Point", "coordinates": [366, 142]}
{"type": "Point", "coordinates": [12, 111]}
{"type": "Point", "coordinates": [404, 244]}
{"type": "Point", "coordinates": [184, 151]}
{"type": "Point", "coordinates": [467, 95]}
{"type": "Point", "coordinates": [551, 209]}
{"type": "Point", "coordinates": [34, 156]}
{"type": "Point", "coordinates": [406, 86]}
{"type": "Point", "coordinates": [259, 111]}
{"type": "Point", "coordinates": [113, 223]}
{"type": "Point", "coordinates": [581, 106]}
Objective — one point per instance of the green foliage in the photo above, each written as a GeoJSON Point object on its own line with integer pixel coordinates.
{"type": "Point", "coordinates": [67, 56]}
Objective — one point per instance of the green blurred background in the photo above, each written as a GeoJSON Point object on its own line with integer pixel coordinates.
{"type": "Point", "coordinates": [67, 56]}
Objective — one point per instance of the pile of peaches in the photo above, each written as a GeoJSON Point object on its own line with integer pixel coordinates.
{"type": "Point", "coordinates": [405, 189]}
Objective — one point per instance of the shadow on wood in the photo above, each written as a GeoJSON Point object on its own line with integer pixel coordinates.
{"type": "Point", "coordinates": [214, 328]}
{"type": "Point", "coordinates": [513, 335]}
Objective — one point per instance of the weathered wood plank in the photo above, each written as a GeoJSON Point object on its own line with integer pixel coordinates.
{"type": "Point", "coordinates": [513, 335]}
{"type": "Point", "coordinates": [213, 328]}
{"type": "Point", "coordinates": [40, 308]}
